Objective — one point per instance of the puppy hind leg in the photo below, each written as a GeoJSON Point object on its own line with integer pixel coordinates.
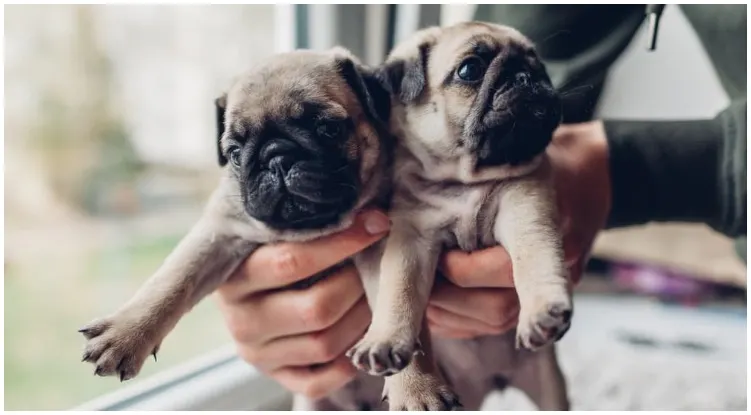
{"type": "Point", "coordinates": [540, 377]}
{"type": "Point", "coordinates": [420, 386]}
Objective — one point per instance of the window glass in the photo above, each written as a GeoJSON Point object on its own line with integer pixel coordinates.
{"type": "Point", "coordinates": [109, 156]}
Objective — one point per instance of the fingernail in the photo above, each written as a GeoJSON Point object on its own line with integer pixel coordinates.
{"type": "Point", "coordinates": [376, 223]}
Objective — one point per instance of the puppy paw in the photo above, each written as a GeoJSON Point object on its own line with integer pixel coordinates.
{"type": "Point", "coordinates": [382, 356]}
{"type": "Point", "coordinates": [422, 393]}
{"type": "Point", "coordinates": [118, 346]}
{"type": "Point", "coordinates": [545, 323]}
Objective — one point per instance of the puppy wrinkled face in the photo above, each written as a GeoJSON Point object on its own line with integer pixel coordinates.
{"type": "Point", "coordinates": [299, 138]}
{"type": "Point", "coordinates": [485, 102]}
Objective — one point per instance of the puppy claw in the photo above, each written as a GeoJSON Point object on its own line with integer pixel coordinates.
{"type": "Point", "coordinates": [560, 310]}
{"type": "Point", "coordinates": [561, 333]}
{"type": "Point", "coordinates": [451, 403]}
{"type": "Point", "coordinates": [426, 393]}
{"type": "Point", "coordinates": [125, 375]}
{"type": "Point", "coordinates": [457, 404]}
{"type": "Point", "coordinates": [398, 361]}
{"type": "Point", "coordinates": [381, 358]}
{"type": "Point", "coordinates": [94, 329]}
{"type": "Point", "coordinates": [545, 327]}
{"type": "Point", "coordinates": [118, 348]}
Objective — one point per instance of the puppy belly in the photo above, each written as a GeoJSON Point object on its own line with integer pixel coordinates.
{"type": "Point", "coordinates": [475, 367]}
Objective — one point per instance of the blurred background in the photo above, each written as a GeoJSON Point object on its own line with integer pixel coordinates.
{"type": "Point", "coordinates": [109, 155]}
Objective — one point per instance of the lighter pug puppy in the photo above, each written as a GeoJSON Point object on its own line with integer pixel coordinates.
{"type": "Point", "coordinates": [473, 112]}
{"type": "Point", "coordinates": [303, 141]}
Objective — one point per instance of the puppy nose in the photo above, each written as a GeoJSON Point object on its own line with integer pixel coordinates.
{"type": "Point", "coordinates": [522, 79]}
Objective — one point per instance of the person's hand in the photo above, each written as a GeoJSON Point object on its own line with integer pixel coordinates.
{"type": "Point", "coordinates": [299, 336]}
{"type": "Point", "coordinates": [477, 296]}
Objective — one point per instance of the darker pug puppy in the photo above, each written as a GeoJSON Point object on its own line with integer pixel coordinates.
{"type": "Point", "coordinates": [304, 146]}
{"type": "Point", "coordinates": [473, 112]}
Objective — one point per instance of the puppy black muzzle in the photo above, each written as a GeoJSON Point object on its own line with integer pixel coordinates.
{"type": "Point", "coordinates": [294, 186]}
{"type": "Point", "coordinates": [519, 122]}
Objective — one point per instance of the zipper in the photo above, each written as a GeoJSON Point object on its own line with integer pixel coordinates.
{"type": "Point", "coordinates": [653, 13]}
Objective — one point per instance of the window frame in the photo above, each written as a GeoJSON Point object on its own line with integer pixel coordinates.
{"type": "Point", "coordinates": [218, 380]}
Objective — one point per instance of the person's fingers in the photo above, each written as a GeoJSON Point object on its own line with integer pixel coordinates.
{"type": "Point", "coordinates": [489, 267]}
{"type": "Point", "coordinates": [576, 248]}
{"type": "Point", "coordinates": [492, 306]}
{"type": "Point", "coordinates": [456, 322]}
{"type": "Point", "coordinates": [283, 313]}
{"type": "Point", "coordinates": [446, 333]}
{"type": "Point", "coordinates": [313, 348]}
{"type": "Point", "coordinates": [317, 381]}
{"type": "Point", "coordinates": [576, 269]}
{"type": "Point", "coordinates": [278, 265]}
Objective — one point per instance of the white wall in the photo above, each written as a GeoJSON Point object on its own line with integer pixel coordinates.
{"type": "Point", "coordinates": [674, 81]}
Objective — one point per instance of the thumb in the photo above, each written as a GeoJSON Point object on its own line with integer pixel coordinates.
{"type": "Point", "coordinates": [489, 267]}
{"type": "Point", "coordinates": [278, 265]}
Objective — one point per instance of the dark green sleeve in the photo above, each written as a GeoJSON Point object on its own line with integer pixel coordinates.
{"type": "Point", "coordinates": [680, 171]}
{"type": "Point", "coordinates": [691, 171]}
{"type": "Point", "coordinates": [578, 44]}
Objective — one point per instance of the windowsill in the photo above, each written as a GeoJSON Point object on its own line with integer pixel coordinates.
{"type": "Point", "coordinates": [215, 381]}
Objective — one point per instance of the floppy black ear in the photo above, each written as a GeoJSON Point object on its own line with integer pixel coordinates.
{"type": "Point", "coordinates": [369, 90]}
{"type": "Point", "coordinates": [406, 79]}
{"type": "Point", "coordinates": [221, 107]}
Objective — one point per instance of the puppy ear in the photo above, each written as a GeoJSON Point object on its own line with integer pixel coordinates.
{"type": "Point", "coordinates": [406, 79]}
{"type": "Point", "coordinates": [221, 107]}
{"type": "Point", "coordinates": [371, 93]}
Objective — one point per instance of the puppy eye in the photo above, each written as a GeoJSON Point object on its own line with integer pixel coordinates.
{"type": "Point", "coordinates": [329, 129]}
{"type": "Point", "coordinates": [234, 156]}
{"type": "Point", "coordinates": [471, 69]}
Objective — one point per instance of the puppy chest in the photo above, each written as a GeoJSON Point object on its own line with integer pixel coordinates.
{"type": "Point", "coordinates": [473, 218]}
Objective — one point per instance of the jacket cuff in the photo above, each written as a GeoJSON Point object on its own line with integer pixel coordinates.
{"type": "Point", "coordinates": [663, 171]}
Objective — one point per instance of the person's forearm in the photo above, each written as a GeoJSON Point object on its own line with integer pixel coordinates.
{"type": "Point", "coordinates": [688, 171]}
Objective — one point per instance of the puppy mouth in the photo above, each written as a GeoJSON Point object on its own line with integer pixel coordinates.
{"type": "Point", "coordinates": [292, 188]}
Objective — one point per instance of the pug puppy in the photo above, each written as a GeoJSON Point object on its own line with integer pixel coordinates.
{"type": "Point", "coordinates": [304, 146]}
{"type": "Point", "coordinates": [473, 111]}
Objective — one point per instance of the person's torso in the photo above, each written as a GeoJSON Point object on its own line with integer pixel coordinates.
{"type": "Point", "coordinates": [722, 31]}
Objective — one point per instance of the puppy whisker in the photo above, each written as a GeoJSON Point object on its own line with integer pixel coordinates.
{"type": "Point", "coordinates": [341, 169]}
{"type": "Point", "coordinates": [347, 185]}
{"type": "Point", "coordinates": [576, 91]}
{"type": "Point", "coordinates": [554, 35]}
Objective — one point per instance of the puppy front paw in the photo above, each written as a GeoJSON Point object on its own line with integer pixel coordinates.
{"type": "Point", "coordinates": [118, 345]}
{"type": "Point", "coordinates": [544, 322]}
{"type": "Point", "coordinates": [423, 392]}
{"type": "Point", "coordinates": [382, 355]}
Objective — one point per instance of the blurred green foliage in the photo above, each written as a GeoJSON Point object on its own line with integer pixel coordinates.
{"type": "Point", "coordinates": [47, 301]}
